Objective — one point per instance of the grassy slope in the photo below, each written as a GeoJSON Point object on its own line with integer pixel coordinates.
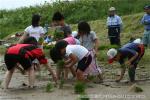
{"type": "Point", "coordinates": [132, 28]}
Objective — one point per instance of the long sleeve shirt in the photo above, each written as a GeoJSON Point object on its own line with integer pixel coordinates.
{"type": "Point", "coordinates": [114, 21]}
{"type": "Point", "coordinates": [146, 21]}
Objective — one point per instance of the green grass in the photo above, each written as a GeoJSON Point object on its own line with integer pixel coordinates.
{"type": "Point", "coordinates": [49, 87]}
{"type": "Point", "coordinates": [2, 50]}
{"type": "Point", "coordinates": [16, 20]}
{"type": "Point", "coordinates": [79, 88]}
{"type": "Point", "coordinates": [83, 97]}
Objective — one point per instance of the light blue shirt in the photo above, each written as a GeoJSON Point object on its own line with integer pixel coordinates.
{"type": "Point", "coordinates": [146, 21]}
{"type": "Point", "coordinates": [114, 21]}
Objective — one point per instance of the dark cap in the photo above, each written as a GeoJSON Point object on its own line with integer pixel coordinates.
{"type": "Point", "coordinates": [147, 7]}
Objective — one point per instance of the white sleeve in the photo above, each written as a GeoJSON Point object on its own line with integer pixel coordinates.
{"type": "Point", "coordinates": [27, 30]}
{"type": "Point", "coordinates": [68, 51]}
{"type": "Point", "coordinates": [119, 21]}
{"type": "Point", "coordinates": [77, 41]}
{"type": "Point", "coordinates": [42, 30]}
{"type": "Point", "coordinates": [93, 35]}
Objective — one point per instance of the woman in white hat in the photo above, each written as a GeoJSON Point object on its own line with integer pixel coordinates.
{"type": "Point", "coordinates": [114, 25]}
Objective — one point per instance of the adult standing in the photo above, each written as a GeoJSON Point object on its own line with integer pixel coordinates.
{"type": "Point", "coordinates": [114, 25]}
{"type": "Point", "coordinates": [146, 22]}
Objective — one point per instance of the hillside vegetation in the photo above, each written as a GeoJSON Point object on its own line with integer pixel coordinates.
{"type": "Point", "coordinates": [89, 10]}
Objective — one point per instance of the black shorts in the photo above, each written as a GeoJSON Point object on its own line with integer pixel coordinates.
{"type": "Point", "coordinates": [84, 63]}
{"type": "Point", "coordinates": [11, 60]}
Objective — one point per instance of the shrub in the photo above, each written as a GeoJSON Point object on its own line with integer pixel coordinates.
{"type": "Point", "coordinates": [60, 67]}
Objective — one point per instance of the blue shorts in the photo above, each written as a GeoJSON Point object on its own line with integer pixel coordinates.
{"type": "Point", "coordinates": [146, 38]}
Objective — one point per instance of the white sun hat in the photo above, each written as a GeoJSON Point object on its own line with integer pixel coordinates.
{"type": "Point", "coordinates": [74, 33]}
{"type": "Point", "coordinates": [111, 54]}
{"type": "Point", "coordinates": [138, 41]}
{"type": "Point", "coordinates": [112, 9]}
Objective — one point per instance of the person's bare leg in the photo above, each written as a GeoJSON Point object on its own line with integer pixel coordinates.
{"type": "Point", "coordinates": [31, 76]}
{"type": "Point", "coordinates": [122, 74]}
{"type": "Point", "coordinates": [58, 73]}
{"type": "Point", "coordinates": [36, 66]}
{"type": "Point", "coordinates": [73, 71]}
{"type": "Point", "coordinates": [20, 69]}
{"type": "Point", "coordinates": [80, 76]}
{"type": "Point", "coordinates": [8, 77]}
{"type": "Point", "coordinates": [66, 73]}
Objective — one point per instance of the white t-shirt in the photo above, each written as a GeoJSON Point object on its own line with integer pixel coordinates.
{"type": "Point", "coordinates": [77, 50]}
{"type": "Point", "coordinates": [35, 31]}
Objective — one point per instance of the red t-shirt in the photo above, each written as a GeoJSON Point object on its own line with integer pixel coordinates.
{"type": "Point", "coordinates": [28, 51]}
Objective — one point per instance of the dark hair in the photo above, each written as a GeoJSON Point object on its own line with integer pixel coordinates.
{"type": "Point", "coordinates": [57, 16]}
{"type": "Point", "coordinates": [30, 40]}
{"type": "Point", "coordinates": [61, 44]}
{"type": "Point", "coordinates": [35, 20]}
{"type": "Point", "coordinates": [147, 7]}
{"type": "Point", "coordinates": [55, 55]}
{"type": "Point", "coordinates": [84, 27]}
{"type": "Point", "coordinates": [131, 39]}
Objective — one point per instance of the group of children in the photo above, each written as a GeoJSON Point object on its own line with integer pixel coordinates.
{"type": "Point", "coordinates": [79, 52]}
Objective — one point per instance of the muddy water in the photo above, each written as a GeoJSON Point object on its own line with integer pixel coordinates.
{"type": "Point", "coordinates": [104, 91]}
{"type": "Point", "coordinates": [1, 59]}
{"type": "Point", "coordinates": [1, 66]}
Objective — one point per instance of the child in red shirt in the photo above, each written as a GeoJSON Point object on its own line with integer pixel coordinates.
{"type": "Point", "coordinates": [24, 54]}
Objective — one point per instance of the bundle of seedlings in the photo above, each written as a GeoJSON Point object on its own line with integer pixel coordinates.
{"type": "Point", "coordinates": [83, 97]}
{"type": "Point", "coordinates": [58, 34]}
{"type": "Point", "coordinates": [60, 67]}
{"type": "Point", "coordinates": [49, 87]}
{"type": "Point", "coordinates": [79, 87]}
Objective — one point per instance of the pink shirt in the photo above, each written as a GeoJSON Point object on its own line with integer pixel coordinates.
{"type": "Point", "coordinates": [70, 40]}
